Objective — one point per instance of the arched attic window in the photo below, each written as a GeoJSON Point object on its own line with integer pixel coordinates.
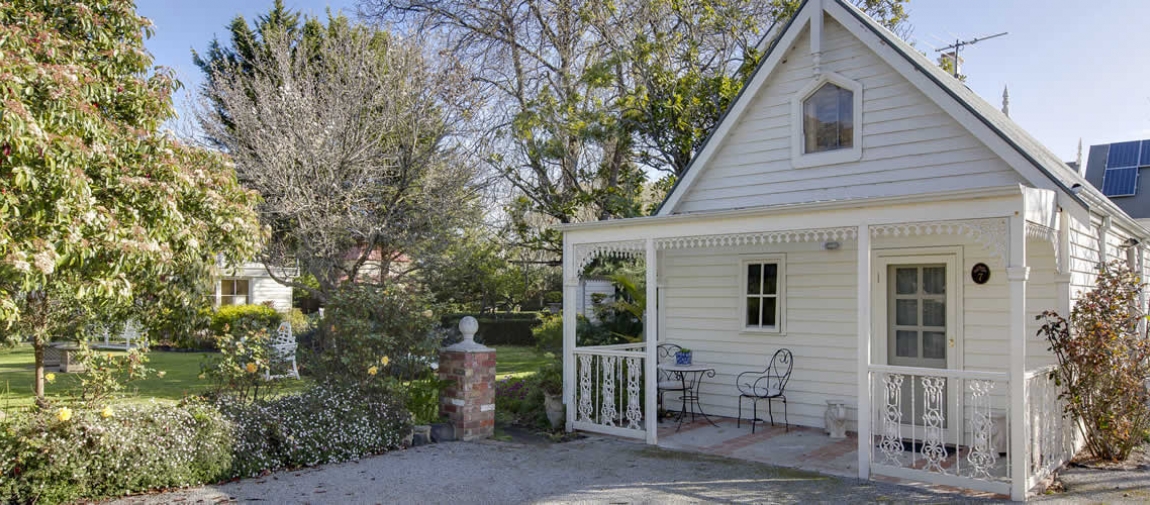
{"type": "Point", "coordinates": [827, 122]}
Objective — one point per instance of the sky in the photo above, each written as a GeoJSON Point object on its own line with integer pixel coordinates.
{"type": "Point", "coordinates": [1076, 70]}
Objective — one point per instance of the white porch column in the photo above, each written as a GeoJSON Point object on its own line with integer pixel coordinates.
{"type": "Point", "coordinates": [570, 294]}
{"type": "Point", "coordinates": [651, 328]}
{"type": "Point", "coordinates": [1017, 274]}
{"type": "Point", "coordinates": [864, 346]}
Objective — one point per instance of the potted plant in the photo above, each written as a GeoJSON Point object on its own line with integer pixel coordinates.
{"type": "Point", "coordinates": [549, 379]}
{"type": "Point", "coordinates": [554, 301]}
{"type": "Point", "coordinates": [683, 356]}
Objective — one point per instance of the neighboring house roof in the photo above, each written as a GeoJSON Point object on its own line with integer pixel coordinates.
{"type": "Point", "coordinates": [1037, 164]}
{"type": "Point", "coordinates": [1116, 169]}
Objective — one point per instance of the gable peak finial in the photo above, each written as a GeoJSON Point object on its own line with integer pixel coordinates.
{"type": "Point", "coordinates": [1006, 100]}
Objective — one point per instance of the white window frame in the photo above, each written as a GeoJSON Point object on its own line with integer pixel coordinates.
{"type": "Point", "coordinates": [780, 260]}
{"type": "Point", "coordinates": [799, 157]}
{"type": "Point", "coordinates": [221, 296]}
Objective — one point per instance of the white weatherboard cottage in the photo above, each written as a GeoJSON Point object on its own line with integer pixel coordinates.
{"type": "Point", "coordinates": [843, 209]}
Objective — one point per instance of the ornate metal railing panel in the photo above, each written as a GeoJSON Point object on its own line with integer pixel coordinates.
{"type": "Point", "coordinates": [1051, 433]}
{"type": "Point", "coordinates": [941, 426]}
{"type": "Point", "coordinates": [609, 389]}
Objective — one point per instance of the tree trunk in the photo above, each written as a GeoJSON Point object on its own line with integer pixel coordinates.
{"type": "Point", "coordinates": [38, 348]}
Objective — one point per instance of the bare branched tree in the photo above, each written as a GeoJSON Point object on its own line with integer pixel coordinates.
{"type": "Point", "coordinates": [347, 132]}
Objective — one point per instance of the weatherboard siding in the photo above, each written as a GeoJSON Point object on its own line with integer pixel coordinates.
{"type": "Point", "coordinates": [701, 310]}
{"type": "Point", "coordinates": [910, 145]}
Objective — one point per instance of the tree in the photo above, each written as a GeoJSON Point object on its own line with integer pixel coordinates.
{"type": "Point", "coordinates": [346, 131]}
{"type": "Point", "coordinates": [587, 97]}
{"type": "Point", "coordinates": [99, 212]}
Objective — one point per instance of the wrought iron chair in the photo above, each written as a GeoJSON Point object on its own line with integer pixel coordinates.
{"type": "Point", "coordinates": [669, 382]}
{"type": "Point", "coordinates": [283, 347]}
{"type": "Point", "coordinates": [769, 384]}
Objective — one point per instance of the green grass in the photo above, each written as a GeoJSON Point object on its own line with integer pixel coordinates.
{"type": "Point", "coordinates": [181, 377]}
{"type": "Point", "coordinates": [517, 361]}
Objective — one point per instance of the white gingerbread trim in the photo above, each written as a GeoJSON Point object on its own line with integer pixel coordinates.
{"type": "Point", "coordinates": [1047, 234]}
{"type": "Point", "coordinates": [990, 233]}
{"type": "Point", "coordinates": [586, 253]}
{"type": "Point", "coordinates": [757, 238]}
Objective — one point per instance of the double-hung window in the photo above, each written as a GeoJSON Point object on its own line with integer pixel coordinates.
{"type": "Point", "coordinates": [763, 289]}
{"type": "Point", "coordinates": [233, 292]}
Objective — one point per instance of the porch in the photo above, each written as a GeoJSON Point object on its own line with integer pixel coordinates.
{"type": "Point", "coordinates": [981, 416]}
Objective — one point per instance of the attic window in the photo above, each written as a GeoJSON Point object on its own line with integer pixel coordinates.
{"type": "Point", "coordinates": [828, 119]}
{"type": "Point", "coordinates": [826, 122]}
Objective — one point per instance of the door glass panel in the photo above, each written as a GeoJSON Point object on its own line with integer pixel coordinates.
{"type": "Point", "coordinates": [934, 280]}
{"type": "Point", "coordinates": [906, 281]}
{"type": "Point", "coordinates": [906, 312]}
{"type": "Point", "coordinates": [933, 313]}
{"type": "Point", "coordinates": [754, 279]}
{"type": "Point", "coordinates": [770, 278]}
{"type": "Point", "coordinates": [934, 345]}
{"type": "Point", "coordinates": [769, 305]}
{"type": "Point", "coordinates": [906, 344]}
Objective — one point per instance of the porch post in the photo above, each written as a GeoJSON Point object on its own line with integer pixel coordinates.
{"type": "Point", "coordinates": [864, 346]}
{"type": "Point", "coordinates": [570, 293]}
{"type": "Point", "coordinates": [1017, 273]}
{"type": "Point", "coordinates": [651, 328]}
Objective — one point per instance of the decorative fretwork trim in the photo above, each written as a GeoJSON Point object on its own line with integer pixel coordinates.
{"type": "Point", "coordinates": [1049, 235]}
{"type": "Point", "coordinates": [757, 238]}
{"type": "Point", "coordinates": [990, 233]}
{"type": "Point", "coordinates": [586, 253]}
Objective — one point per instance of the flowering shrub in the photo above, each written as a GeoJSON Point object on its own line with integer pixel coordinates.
{"type": "Point", "coordinates": [324, 424]}
{"type": "Point", "coordinates": [106, 373]}
{"type": "Point", "coordinates": [237, 371]}
{"type": "Point", "coordinates": [518, 401]}
{"type": "Point", "coordinates": [61, 455]}
{"type": "Point", "coordinates": [1104, 363]}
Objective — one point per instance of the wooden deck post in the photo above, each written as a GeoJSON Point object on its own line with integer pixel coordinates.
{"type": "Point", "coordinates": [1017, 273]}
{"type": "Point", "coordinates": [570, 293]}
{"type": "Point", "coordinates": [864, 346]}
{"type": "Point", "coordinates": [651, 329]}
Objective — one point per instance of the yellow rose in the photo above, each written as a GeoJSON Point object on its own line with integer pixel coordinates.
{"type": "Point", "coordinates": [64, 414]}
{"type": "Point", "coordinates": [372, 371]}
{"type": "Point", "coordinates": [107, 412]}
{"type": "Point", "coordinates": [50, 377]}
{"type": "Point", "coordinates": [252, 367]}
{"type": "Point", "coordinates": [385, 360]}
{"type": "Point", "coordinates": [109, 355]}
{"type": "Point", "coordinates": [202, 376]}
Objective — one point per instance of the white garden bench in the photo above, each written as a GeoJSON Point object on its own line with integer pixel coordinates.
{"type": "Point", "coordinates": [282, 350]}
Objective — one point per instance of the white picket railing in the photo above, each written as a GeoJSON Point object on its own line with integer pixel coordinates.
{"type": "Point", "coordinates": [941, 426]}
{"type": "Point", "coordinates": [609, 389]}
{"type": "Point", "coordinates": [1051, 433]}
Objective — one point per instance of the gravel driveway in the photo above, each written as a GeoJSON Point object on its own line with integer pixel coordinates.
{"type": "Point", "coordinates": [590, 470]}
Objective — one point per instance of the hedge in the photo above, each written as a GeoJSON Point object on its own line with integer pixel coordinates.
{"type": "Point", "coordinates": [508, 328]}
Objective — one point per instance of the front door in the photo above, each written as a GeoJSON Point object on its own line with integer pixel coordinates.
{"type": "Point", "coordinates": [918, 333]}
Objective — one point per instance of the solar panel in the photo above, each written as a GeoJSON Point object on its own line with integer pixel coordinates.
{"type": "Point", "coordinates": [1120, 181]}
{"type": "Point", "coordinates": [1124, 154]}
{"type": "Point", "coordinates": [1145, 158]}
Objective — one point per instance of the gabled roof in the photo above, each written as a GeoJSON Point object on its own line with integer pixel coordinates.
{"type": "Point", "coordinates": [1029, 157]}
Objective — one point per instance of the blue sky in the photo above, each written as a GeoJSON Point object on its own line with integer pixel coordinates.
{"type": "Point", "coordinates": [1075, 69]}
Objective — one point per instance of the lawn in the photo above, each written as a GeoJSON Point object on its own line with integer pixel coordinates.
{"type": "Point", "coordinates": [517, 361]}
{"type": "Point", "coordinates": [181, 375]}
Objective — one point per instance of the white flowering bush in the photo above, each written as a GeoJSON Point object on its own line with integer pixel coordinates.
{"type": "Point", "coordinates": [61, 455]}
{"type": "Point", "coordinates": [325, 424]}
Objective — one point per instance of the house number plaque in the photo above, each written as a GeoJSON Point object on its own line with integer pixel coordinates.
{"type": "Point", "coordinates": [980, 273]}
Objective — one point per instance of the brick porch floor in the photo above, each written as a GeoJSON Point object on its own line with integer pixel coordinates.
{"type": "Point", "coordinates": [801, 448]}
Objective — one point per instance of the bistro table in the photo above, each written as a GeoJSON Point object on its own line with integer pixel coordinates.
{"type": "Point", "coordinates": [692, 376]}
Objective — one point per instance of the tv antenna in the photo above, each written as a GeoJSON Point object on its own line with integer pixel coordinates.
{"type": "Point", "coordinates": [959, 44]}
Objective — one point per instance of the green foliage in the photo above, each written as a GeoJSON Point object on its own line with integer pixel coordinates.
{"type": "Point", "coordinates": [107, 373]}
{"type": "Point", "coordinates": [423, 399]}
{"type": "Point", "coordinates": [324, 424]}
{"type": "Point", "coordinates": [299, 321]}
{"type": "Point", "coordinates": [236, 320]}
{"type": "Point", "coordinates": [237, 371]}
{"type": "Point", "coordinates": [364, 324]}
{"type": "Point", "coordinates": [511, 328]}
{"type": "Point", "coordinates": [549, 334]}
{"type": "Point", "coordinates": [61, 455]}
{"type": "Point", "coordinates": [100, 210]}
{"type": "Point", "coordinates": [1104, 362]}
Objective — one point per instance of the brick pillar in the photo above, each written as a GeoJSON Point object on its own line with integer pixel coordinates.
{"type": "Point", "coordinates": [469, 399]}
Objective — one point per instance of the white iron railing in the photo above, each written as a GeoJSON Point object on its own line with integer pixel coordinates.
{"type": "Point", "coordinates": [609, 389]}
{"type": "Point", "coordinates": [1051, 434]}
{"type": "Point", "coordinates": [941, 426]}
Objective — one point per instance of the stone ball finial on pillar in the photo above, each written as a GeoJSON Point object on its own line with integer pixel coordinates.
{"type": "Point", "coordinates": [468, 326]}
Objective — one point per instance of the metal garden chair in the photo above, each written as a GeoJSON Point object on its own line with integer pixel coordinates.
{"type": "Point", "coordinates": [669, 382]}
{"type": "Point", "coordinates": [283, 347]}
{"type": "Point", "coordinates": [769, 384]}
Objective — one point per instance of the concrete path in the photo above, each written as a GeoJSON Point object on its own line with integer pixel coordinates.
{"type": "Point", "coordinates": [590, 470]}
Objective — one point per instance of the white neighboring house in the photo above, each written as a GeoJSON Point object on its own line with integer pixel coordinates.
{"type": "Point", "coordinates": [864, 209]}
{"type": "Point", "coordinates": [251, 284]}
{"type": "Point", "coordinates": [590, 289]}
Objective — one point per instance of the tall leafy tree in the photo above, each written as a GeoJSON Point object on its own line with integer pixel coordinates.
{"type": "Point", "coordinates": [589, 97]}
{"type": "Point", "coordinates": [348, 133]}
{"type": "Point", "coordinates": [100, 212]}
